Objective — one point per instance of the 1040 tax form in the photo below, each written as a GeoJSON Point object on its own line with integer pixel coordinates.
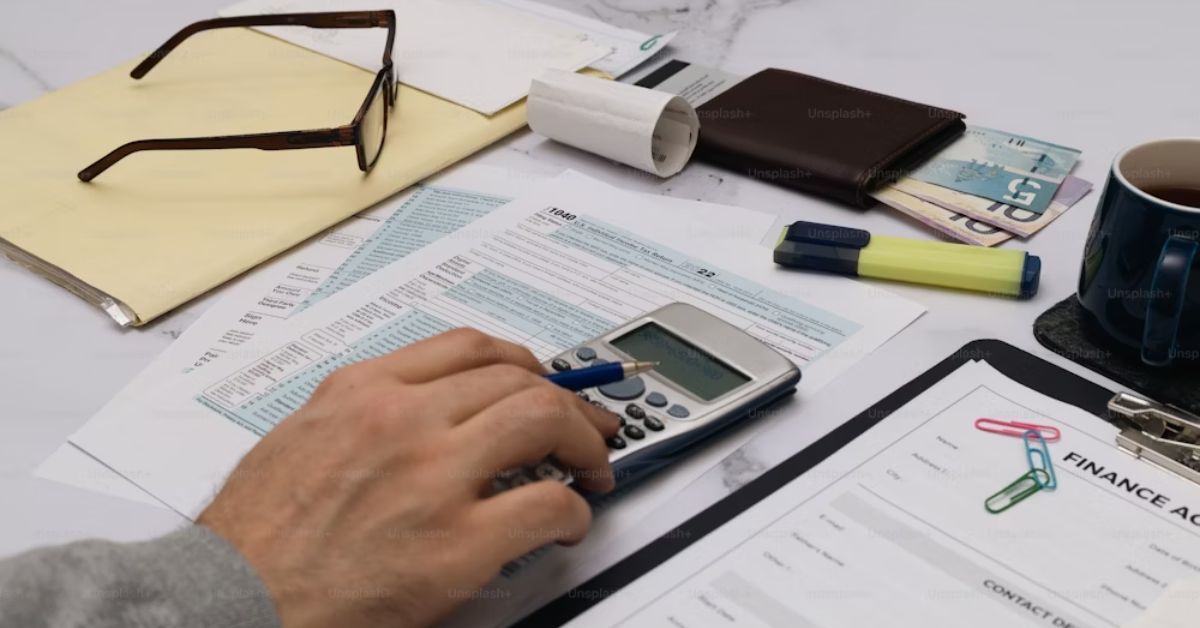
{"type": "Point", "coordinates": [548, 270]}
{"type": "Point", "coordinates": [345, 254]}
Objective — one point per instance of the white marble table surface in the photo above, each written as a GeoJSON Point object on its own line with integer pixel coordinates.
{"type": "Point", "coordinates": [1094, 74]}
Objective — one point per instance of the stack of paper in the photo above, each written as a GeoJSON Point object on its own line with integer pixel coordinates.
{"type": "Point", "coordinates": [628, 48]}
{"type": "Point", "coordinates": [521, 273]}
{"type": "Point", "coordinates": [471, 53]}
{"type": "Point", "coordinates": [610, 280]}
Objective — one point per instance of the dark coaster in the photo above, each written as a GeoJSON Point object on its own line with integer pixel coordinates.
{"type": "Point", "coordinates": [1063, 330]}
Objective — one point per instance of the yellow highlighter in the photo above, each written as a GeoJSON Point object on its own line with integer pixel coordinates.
{"type": "Point", "coordinates": [857, 253]}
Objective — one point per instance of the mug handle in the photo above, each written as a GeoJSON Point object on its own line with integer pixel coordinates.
{"type": "Point", "coordinates": [1167, 291]}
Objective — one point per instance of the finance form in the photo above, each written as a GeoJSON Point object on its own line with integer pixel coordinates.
{"type": "Point", "coordinates": [892, 530]}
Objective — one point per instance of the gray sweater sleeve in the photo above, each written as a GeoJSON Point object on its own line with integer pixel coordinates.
{"type": "Point", "coordinates": [192, 577]}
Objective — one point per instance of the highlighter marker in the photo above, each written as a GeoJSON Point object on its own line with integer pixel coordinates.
{"type": "Point", "coordinates": [857, 253]}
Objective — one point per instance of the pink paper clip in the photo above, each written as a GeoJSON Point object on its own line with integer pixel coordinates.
{"type": "Point", "coordinates": [1017, 429]}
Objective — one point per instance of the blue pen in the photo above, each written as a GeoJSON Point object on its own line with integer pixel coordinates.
{"type": "Point", "coordinates": [599, 375]}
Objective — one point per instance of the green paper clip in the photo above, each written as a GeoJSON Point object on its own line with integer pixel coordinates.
{"type": "Point", "coordinates": [1017, 492]}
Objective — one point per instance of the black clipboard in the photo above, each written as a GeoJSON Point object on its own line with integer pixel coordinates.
{"type": "Point", "coordinates": [1016, 364]}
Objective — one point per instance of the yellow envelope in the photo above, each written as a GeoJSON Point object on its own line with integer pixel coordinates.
{"type": "Point", "coordinates": [162, 227]}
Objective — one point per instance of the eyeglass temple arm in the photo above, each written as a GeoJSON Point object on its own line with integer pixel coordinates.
{"type": "Point", "coordinates": [340, 19]}
{"type": "Point", "coordinates": [284, 140]}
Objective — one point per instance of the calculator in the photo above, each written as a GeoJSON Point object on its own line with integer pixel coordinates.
{"type": "Point", "coordinates": [710, 376]}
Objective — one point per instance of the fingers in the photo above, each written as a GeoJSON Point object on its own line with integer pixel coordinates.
{"type": "Point", "coordinates": [526, 427]}
{"type": "Point", "coordinates": [452, 352]}
{"type": "Point", "coordinates": [525, 518]}
{"type": "Point", "coordinates": [462, 395]}
{"type": "Point", "coordinates": [604, 421]}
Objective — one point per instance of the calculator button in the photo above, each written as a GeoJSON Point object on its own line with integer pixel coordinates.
{"type": "Point", "coordinates": [560, 364]}
{"type": "Point", "coordinates": [656, 399]}
{"type": "Point", "coordinates": [678, 411]}
{"type": "Point", "coordinates": [635, 411]}
{"type": "Point", "coordinates": [587, 354]}
{"type": "Point", "coordinates": [616, 442]}
{"type": "Point", "coordinates": [624, 390]}
{"type": "Point", "coordinates": [634, 432]}
{"type": "Point", "coordinates": [653, 424]}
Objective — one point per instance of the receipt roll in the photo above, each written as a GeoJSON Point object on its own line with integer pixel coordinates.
{"type": "Point", "coordinates": [650, 130]}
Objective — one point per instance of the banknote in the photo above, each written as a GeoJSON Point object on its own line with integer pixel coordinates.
{"type": "Point", "coordinates": [1004, 167]}
{"type": "Point", "coordinates": [1010, 218]}
{"type": "Point", "coordinates": [951, 223]}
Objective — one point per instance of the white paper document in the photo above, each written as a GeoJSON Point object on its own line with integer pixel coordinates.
{"type": "Point", "coordinates": [629, 48]}
{"type": "Point", "coordinates": [477, 54]}
{"type": "Point", "coordinates": [892, 531]}
{"type": "Point", "coordinates": [694, 83]}
{"type": "Point", "coordinates": [549, 270]}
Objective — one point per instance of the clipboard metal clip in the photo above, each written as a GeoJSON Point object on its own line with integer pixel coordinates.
{"type": "Point", "coordinates": [1165, 436]}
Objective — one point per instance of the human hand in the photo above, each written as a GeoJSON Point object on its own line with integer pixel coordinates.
{"type": "Point", "coordinates": [372, 504]}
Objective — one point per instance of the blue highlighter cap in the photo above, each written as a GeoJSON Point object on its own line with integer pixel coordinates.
{"type": "Point", "coordinates": [1031, 276]}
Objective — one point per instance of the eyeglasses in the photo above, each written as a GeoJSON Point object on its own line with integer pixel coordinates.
{"type": "Point", "coordinates": [366, 132]}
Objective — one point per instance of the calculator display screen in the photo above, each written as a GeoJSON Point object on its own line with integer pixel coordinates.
{"type": "Point", "coordinates": [681, 362]}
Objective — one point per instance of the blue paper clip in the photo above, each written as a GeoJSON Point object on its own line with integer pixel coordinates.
{"type": "Point", "coordinates": [1037, 452]}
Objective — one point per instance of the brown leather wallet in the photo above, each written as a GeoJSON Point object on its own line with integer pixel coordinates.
{"type": "Point", "coordinates": [819, 136]}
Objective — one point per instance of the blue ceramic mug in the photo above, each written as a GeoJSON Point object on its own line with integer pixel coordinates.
{"type": "Point", "coordinates": [1140, 284]}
